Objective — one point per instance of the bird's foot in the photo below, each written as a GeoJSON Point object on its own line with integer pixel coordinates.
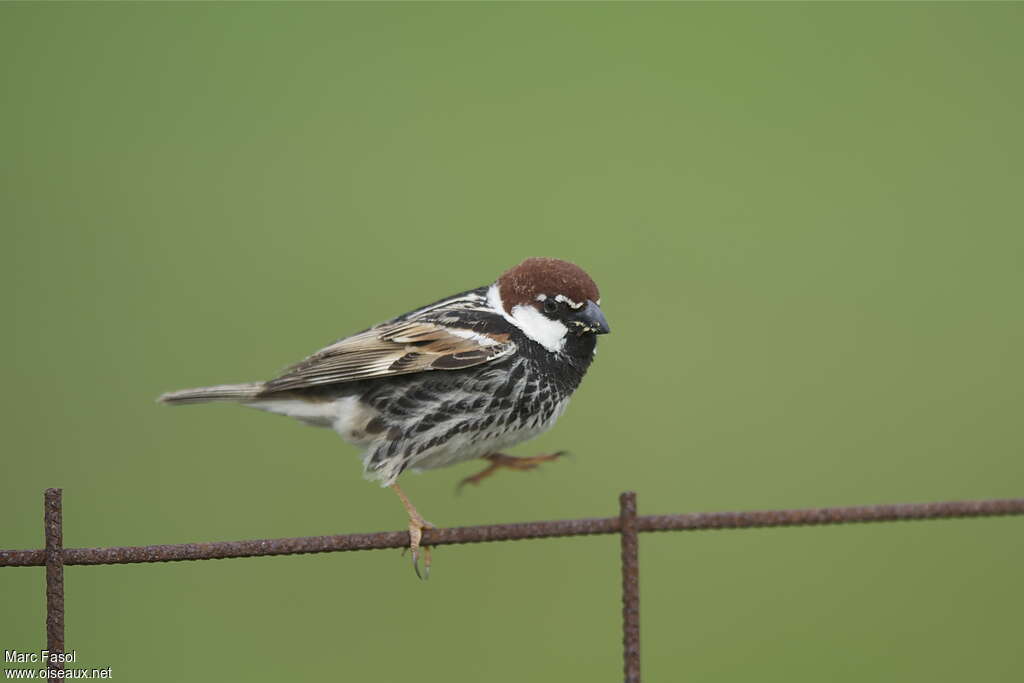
{"type": "Point", "coordinates": [416, 526]}
{"type": "Point", "coordinates": [501, 461]}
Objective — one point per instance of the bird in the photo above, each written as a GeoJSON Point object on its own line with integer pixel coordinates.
{"type": "Point", "coordinates": [462, 378]}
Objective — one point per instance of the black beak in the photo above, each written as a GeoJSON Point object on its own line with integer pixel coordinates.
{"type": "Point", "coordinates": [591, 319]}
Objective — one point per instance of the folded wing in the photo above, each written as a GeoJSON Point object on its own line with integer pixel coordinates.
{"type": "Point", "coordinates": [394, 348]}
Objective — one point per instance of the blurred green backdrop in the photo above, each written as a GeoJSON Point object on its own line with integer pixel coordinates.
{"type": "Point", "coordinates": [806, 224]}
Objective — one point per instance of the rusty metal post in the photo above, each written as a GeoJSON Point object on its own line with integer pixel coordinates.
{"type": "Point", "coordinates": [630, 586]}
{"type": "Point", "coordinates": [54, 576]}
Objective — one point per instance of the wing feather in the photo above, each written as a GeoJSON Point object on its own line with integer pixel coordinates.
{"type": "Point", "coordinates": [394, 348]}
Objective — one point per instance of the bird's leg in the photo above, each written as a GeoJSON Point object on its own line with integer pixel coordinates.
{"type": "Point", "coordinates": [501, 461]}
{"type": "Point", "coordinates": [416, 526]}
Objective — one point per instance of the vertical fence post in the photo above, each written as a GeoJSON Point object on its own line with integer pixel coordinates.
{"type": "Point", "coordinates": [54, 576]}
{"type": "Point", "coordinates": [630, 587]}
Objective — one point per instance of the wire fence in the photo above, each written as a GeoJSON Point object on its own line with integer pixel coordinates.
{"type": "Point", "coordinates": [627, 524]}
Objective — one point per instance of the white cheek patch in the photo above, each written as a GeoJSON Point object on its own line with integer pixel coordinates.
{"type": "Point", "coordinates": [548, 333]}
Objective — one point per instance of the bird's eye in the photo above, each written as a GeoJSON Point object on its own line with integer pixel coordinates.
{"type": "Point", "coordinates": [550, 305]}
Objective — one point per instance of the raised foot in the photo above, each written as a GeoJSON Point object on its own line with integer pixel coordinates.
{"type": "Point", "coordinates": [501, 461]}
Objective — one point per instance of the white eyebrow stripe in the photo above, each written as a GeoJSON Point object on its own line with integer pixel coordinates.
{"type": "Point", "coordinates": [564, 298]}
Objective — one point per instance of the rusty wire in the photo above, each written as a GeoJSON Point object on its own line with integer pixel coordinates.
{"type": "Point", "coordinates": [54, 556]}
{"type": "Point", "coordinates": [520, 531]}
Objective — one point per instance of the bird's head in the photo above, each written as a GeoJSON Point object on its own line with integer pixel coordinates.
{"type": "Point", "coordinates": [549, 299]}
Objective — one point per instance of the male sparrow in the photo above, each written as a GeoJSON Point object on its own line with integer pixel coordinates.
{"type": "Point", "coordinates": [462, 378]}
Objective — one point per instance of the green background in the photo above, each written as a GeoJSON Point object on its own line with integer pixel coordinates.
{"type": "Point", "coordinates": [805, 221]}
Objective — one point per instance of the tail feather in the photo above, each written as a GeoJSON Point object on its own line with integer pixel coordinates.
{"type": "Point", "coordinates": [221, 392]}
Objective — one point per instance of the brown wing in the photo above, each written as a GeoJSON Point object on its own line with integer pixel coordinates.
{"type": "Point", "coordinates": [393, 349]}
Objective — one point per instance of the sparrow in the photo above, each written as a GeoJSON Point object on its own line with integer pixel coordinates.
{"type": "Point", "coordinates": [461, 378]}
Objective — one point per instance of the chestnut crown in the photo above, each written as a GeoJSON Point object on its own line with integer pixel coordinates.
{"type": "Point", "coordinates": [537, 279]}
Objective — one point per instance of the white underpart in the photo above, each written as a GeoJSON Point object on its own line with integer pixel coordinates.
{"type": "Point", "coordinates": [346, 415]}
{"type": "Point", "coordinates": [351, 417]}
{"type": "Point", "coordinates": [319, 413]}
{"type": "Point", "coordinates": [548, 333]}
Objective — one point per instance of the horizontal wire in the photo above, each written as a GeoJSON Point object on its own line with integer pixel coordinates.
{"type": "Point", "coordinates": [521, 531]}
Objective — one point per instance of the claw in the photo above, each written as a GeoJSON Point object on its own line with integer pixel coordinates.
{"type": "Point", "coordinates": [426, 563]}
{"type": "Point", "coordinates": [415, 536]}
